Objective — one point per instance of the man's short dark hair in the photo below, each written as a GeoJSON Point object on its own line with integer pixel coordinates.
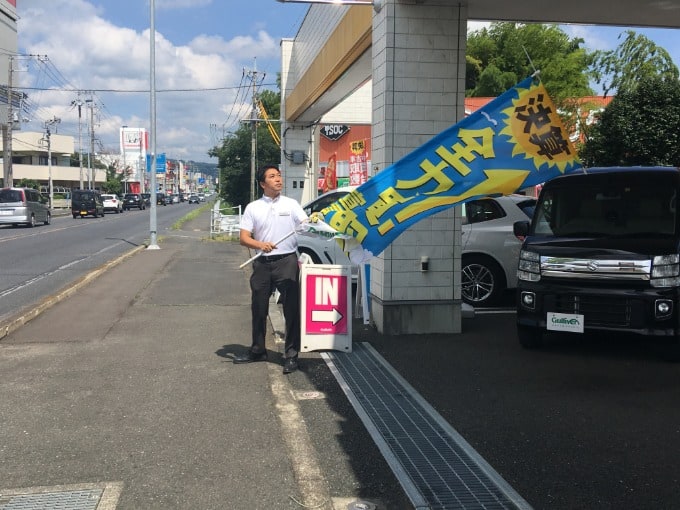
{"type": "Point", "coordinates": [263, 170]}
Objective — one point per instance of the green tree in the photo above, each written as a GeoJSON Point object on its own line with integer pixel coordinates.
{"type": "Point", "coordinates": [234, 154]}
{"type": "Point", "coordinates": [635, 59]}
{"type": "Point", "coordinates": [641, 126]}
{"type": "Point", "coordinates": [28, 183]}
{"type": "Point", "coordinates": [500, 56]}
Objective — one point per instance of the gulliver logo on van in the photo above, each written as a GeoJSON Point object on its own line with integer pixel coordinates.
{"type": "Point", "coordinates": [564, 321]}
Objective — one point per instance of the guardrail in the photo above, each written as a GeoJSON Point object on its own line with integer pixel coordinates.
{"type": "Point", "coordinates": [223, 221]}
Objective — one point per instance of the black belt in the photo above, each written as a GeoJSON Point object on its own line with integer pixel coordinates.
{"type": "Point", "coordinates": [274, 258]}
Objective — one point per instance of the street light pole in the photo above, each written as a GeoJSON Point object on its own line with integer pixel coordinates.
{"type": "Point", "coordinates": [153, 243]}
{"type": "Point", "coordinates": [8, 177]}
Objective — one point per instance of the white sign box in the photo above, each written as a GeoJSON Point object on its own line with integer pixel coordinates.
{"type": "Point", "coordinates": [325, 307]}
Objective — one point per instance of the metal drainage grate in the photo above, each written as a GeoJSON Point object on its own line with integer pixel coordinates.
{"type": "Point", "coordinates": [69, 500]}
{"type": "Point", "coordinates": [87, 496]}
{"type": "Point", "coordinates": [437, 468]}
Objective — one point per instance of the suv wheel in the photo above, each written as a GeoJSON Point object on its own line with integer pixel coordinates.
{"type": "Point", "coordinates": [481, 281]}
{"type": "Point", "coordinates": [48, 219]}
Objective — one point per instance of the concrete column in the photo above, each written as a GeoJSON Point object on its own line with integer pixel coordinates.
{"type": "Point", "coordinates": [296, 138]}
{"type": "Point", "coordinates": [418, 57]}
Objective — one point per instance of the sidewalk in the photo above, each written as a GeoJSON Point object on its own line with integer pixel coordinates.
{"type": "Point", "coordinates": [124, 393]}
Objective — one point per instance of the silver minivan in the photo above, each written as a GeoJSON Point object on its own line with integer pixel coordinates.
{"type": "Point", "coordinates": [23, 206]}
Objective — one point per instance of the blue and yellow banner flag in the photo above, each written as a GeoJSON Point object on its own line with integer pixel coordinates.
{"type": "Point", "coordinates": [514, 142]}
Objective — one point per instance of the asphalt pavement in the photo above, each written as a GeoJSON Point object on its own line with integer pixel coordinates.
{"type": "Point", "coordinates": [121, 390]}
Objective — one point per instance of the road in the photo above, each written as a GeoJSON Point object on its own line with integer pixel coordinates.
{"type": "Point", "coordinates": [37, 262]}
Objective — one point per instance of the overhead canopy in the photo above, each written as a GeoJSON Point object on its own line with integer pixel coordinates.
{"type": "Point", "coordinates": [344, 63]}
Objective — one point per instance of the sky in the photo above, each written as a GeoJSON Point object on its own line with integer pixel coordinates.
{"type": "Point", "coordinates": [208, 55]}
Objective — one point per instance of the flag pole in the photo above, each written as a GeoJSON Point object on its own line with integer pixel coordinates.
{"type": "Point", "coordinates": [261, 253]}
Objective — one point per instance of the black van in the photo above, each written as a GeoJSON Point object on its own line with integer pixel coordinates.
{"type": "Point", "coordinates": [602, 254]}
{"type": "Point", "coordinates": [86, 202]}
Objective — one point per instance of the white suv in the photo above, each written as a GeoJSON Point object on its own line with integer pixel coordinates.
{"type": "Point", "coordinates": [490, 250]}
{"type": "Point", "coordinates": [112, 203]}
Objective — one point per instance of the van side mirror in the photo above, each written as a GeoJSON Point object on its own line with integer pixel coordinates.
{"type": "Point", "coordinates": [520, 229]}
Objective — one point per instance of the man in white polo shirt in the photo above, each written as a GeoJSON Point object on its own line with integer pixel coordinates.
{"type": "Point", "coordinates": [266, 221]}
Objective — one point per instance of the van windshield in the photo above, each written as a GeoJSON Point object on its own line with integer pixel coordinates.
{"type": "Point", "coordinates": [599, 208]}
{"type": "Point", "coordinates": [8, 196]}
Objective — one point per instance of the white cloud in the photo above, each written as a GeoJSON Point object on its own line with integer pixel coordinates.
{"type": "Point", "coordinates": [94, 54]}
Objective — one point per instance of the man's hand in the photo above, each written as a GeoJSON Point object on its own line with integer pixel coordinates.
{"type": "Point", "coordinates": [315, 217]}
{"type": "Point", "coordinates": [267, 247]}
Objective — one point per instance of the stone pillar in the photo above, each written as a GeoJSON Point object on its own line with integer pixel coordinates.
{"type": "Point", "coordinates": [418, 57]}
{"type": "Point", "coordinates": [296, 139]}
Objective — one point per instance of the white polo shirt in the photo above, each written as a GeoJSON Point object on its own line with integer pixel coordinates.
{"type": "Point", "coordinates": [271, 219]}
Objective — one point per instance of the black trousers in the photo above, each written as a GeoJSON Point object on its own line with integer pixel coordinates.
{"type": "Point", "coordinates": [284, 275]}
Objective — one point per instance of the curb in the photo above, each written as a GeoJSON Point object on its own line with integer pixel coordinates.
{"type": "Point", "coordinates": [15, 321]}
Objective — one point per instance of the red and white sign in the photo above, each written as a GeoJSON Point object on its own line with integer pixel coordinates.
{"type": "Point", "coordinates": [326, 307]}
{"type": "Point", "coordinates": [326, 304]}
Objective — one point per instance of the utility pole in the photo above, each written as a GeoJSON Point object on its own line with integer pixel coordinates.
{"type": "Point", "coordinates": [79, 104]}
{"type": "Point", "coordinates": [55, 120]}
{"type": "Point", "coordinates": [125, 174]}
{"type": "Point", "coordinates": [253, 127]}
{"type": "Point", "coordinates": [7, 128]}
{"type": "Point", "coordinates": [92, 158]}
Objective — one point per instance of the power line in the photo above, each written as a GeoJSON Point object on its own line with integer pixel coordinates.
{"type": "Point", "coordinates": [140, 91]}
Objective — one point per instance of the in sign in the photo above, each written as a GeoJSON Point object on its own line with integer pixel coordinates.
{"type": "Point", "coordinates": [326, 304]}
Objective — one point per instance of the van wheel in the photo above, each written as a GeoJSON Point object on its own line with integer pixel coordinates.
{"type": "Point", "coordinates": [482, 281]}
{"type": "Point", "coordinates": [75, 216]}
{"type": "Point", "coordinates": [529, 338]}
{"type": "Point", "coordinates": [48, 219]}
{"type": "Point", "coordinates": [31, 223]}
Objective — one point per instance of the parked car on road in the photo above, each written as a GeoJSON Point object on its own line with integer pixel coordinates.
{"type": "Point", "coordinates": [133, 200]}
{"type": "Point", "coordinates": [23, 206]}
{"type": "Point", "coordinates": [161, 199]}
{"type": "Point", "coordinates": [193, 199]}
{"type": "Point", "coordinates": [86, 202]}
{"type": "Point", "coordinates": [112, 203]}
{"type": "Point", "coordinates": [490, 251]}
{"type": "Point", "coordinates": [147, 198]}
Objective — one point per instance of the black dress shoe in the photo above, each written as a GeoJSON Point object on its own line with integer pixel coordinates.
{"type": "Point", "coordinates": [251, 357]}
{"type": "Point", "coordinates": [290, 365]}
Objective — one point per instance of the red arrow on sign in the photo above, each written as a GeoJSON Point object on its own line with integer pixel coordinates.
{"type": "Point", "coordinates": [333, 316]}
